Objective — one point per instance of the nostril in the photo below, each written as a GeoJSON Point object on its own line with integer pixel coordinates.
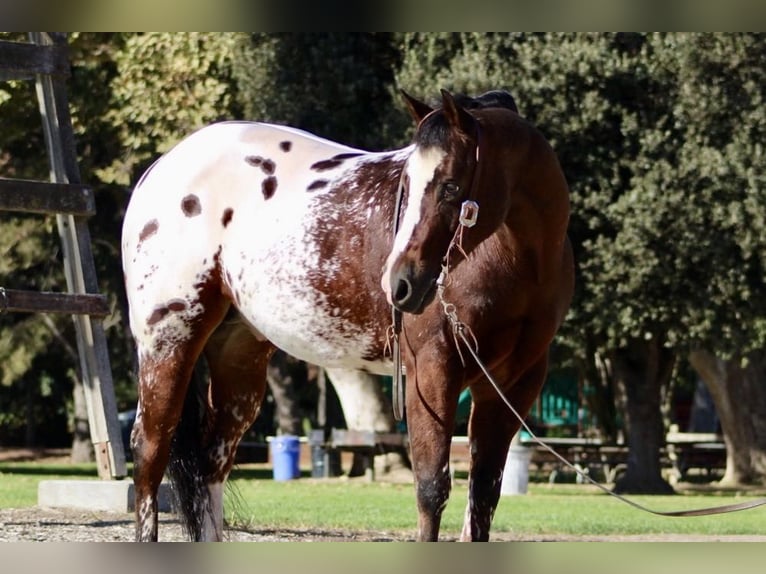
{"type": "Point", "coordinates": [403, 291]}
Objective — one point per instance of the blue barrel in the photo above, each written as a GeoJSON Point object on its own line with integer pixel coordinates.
{"type": "Point", "coordinates": [285, 457]}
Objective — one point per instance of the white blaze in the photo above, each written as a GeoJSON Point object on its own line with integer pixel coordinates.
{"type": "Point", "coordinates": [420, 170]}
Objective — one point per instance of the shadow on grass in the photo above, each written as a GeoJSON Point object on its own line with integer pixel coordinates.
{"type": "Point", "coordinates": [25, 468]}
{"type": "Point", "coordinates": [259, 473]}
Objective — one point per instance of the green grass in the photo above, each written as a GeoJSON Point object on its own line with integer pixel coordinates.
{"type": "Point", "coordinates": [257, 501]}
{"type": "Point", "coordinates": [575, 510]}
{"type": "Point", "coordinates": [18, 480]}
{"type": "Point", "coordinates": [590, 513]}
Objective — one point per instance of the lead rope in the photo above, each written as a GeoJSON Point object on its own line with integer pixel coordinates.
{"type": "Point", "coordinates": [461, 332]}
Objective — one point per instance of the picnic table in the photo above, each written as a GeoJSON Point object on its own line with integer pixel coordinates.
{"type": "Point", "coordinates": [603, 460]}
{"type": "Point", "coordinates": [693, 450]}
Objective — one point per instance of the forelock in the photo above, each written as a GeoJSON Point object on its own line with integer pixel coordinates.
{"type": "Point", "coordinates": [433, 131]}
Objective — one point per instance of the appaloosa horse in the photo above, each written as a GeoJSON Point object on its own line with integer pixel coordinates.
{"type": "Point", "coordinates": [248, 236]}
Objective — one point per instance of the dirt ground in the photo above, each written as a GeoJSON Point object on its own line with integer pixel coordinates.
{"type": "Point", "coordinates": [64, 525]}
{"type": "Point", "coordinates": [38, 524]}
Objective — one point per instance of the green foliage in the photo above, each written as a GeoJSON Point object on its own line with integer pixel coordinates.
{"type": "Point", "coordinates": [720, 112]}
{"type": "Point", "coordinates": [336, 85]}
{"type": "Point", "coordinates": [167, 85]}
{"type": "Point", "coordinates": [37, 360]}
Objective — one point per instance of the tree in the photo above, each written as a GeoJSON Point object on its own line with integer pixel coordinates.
{"type": "Point", "coordinates": [166, 86]}
{"type": "Point", "coordinates": [721, 166]}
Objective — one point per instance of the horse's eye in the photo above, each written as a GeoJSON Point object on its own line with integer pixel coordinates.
{"type": "Point", "coordinates": [450, 191]}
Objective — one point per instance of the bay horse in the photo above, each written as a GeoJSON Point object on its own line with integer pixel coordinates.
{"type": "Point", "coordinates": [248, 236]}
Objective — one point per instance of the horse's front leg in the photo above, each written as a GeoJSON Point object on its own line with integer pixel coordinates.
{"type": "Point", "coordinates": [431, 408]}
{"type": "Point", "coordinates": [490, 430]}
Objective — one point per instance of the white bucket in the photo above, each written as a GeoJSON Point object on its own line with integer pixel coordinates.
{"type": "Point", "coordinates": [516, 473]}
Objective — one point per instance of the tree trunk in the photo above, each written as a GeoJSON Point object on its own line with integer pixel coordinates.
{"type": "Point", "coordinates": [284, 375]}
{"type": "Point", "coordinates": [30, 428]}
{"type": "Point", "coordinates": [603, 398]}
{"type": "Point", "coordinates": [366, 407]}
{"type": "Point", "coordinates": [82, 447]}
{"type": "Point", "coordinates": [643, 368]}
{"type": "Point", "coordinates": [739, 395]}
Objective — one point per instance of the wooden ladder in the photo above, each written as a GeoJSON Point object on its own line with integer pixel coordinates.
{"type": "Point", "coordinates": [45, 58]}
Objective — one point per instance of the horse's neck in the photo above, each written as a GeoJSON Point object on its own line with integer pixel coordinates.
{"type": "Point", "coordinates": [378, 174]}
{"type": "Point", "coordinates": [539, 205]}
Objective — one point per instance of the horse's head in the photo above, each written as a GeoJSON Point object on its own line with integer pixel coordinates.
{"type": "Point", "coordinates": [440, 174]}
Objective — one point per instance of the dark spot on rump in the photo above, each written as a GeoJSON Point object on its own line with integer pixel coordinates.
{"type": "Point", "coordinates": [149, 229]}
{"type": "Point", "coordinates": [157, 315]}
{"type": "Point", "coordinates": [334, 161]}
{"type": "Point", "coordinates": [269, 187]}
{"type": "Point", "coordinates": [228, 213]}
{"type": "Point", "coordinates": [326, 164]}
{"type": "Point", "coordinates": [286, 146]}
{"type": "Point", "coordinates": [267, 166]}
{"type": "Point", "coordinates": [318, 184]}
{"type": "Point", "coordinates": [191, 205]}
{"type": "Point", "coordinates": [161, 312]}
{"type": "Point", "coordinates": [177, 305]}
{"type": "Point", "coordinates": [347, 155]}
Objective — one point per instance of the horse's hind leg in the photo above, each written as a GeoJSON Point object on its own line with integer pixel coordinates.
{"type": "Point", "coordinates": [237, 360]}
{"type": "Point", "coordinates": [490, 430]}
{"type": "Point", "coordinates": [163, 379]}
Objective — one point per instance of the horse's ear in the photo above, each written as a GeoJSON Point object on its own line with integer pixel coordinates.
{"type": "Point", "coordinates": [418, 110]}
{"type": "Point", "coordinates": [456, 114]}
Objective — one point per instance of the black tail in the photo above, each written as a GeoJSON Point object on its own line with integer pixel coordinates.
{"type": "Point", "coordinates": [192, 499]}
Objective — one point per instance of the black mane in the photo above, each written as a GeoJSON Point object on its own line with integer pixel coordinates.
{"type": "Point", "coordinates": [491, 99]}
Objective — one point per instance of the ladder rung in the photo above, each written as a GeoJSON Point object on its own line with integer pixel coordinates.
{"type": "Point", "coordinates": [13, 300]}
{"type": "Point", "coordinates": [44, 197]}
{"type": "Point", "coordinates": [21, 61]}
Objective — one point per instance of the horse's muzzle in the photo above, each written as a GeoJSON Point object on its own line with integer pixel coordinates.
{"type": "Point", "coordinates": [410, 295]}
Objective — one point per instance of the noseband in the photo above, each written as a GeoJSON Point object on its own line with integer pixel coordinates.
{"type": "Point", "coordinates": [469, 212]}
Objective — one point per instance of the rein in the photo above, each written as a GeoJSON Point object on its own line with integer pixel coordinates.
{"type": "Point", "coordinates": [461, 332]}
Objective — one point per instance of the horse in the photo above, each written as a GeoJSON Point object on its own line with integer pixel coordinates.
{"type": "Point", "coordinates": [246, 237]}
